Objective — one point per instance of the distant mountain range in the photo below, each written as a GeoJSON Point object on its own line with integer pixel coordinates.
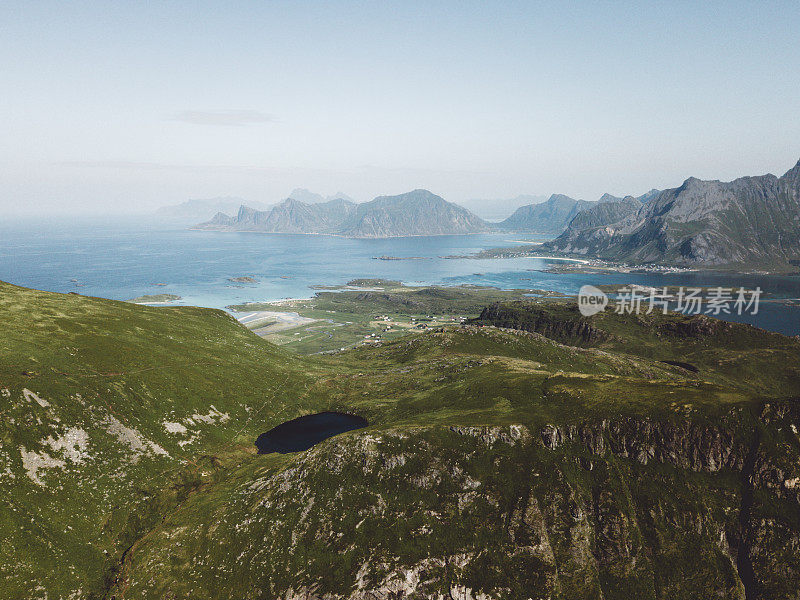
{"type": "Point", "coordinates": [549, 217]}
{"type": "Point", "coordinates": [497, 209]}
{"type": "Point", "coordinates": [752, 221]}
{"type": "Point", "coordinates": [419, 212]}
{"type": "Point", "coordinates": [194, 210]}
{"type": "Point", "coordinates": [304, 195]}
{"type": "Point", "coordinates": [416, 213]}
{"type": "Point", "coordinates": [557, 212]}
{"type": "Point", "coordinates": [200, 209]}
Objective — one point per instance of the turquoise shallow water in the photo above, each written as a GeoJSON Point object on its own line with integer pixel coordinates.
{"type": "Point", "coordinates": [122, 259]}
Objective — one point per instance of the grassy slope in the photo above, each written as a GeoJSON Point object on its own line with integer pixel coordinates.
{"type": "Point", "coordinates": [732, 354]}
{"type": "Point", "coordinates": [413, 390]}
{"type": "Point", "coordinates": [101, 366]}
{"type": "Point", "coordinates": [364, 498]}
{"type": "Point", "coordinates": [213, 520]}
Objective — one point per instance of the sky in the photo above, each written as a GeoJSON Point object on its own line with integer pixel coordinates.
{"type": "Point", "coordinates": [126, 106]}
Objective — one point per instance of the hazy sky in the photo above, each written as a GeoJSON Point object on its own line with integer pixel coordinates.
{"type": "Point", "coordinates": [132, 105]}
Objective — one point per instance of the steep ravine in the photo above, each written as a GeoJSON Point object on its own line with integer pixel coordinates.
{"type": "Point", "coordinates": [743, 561]}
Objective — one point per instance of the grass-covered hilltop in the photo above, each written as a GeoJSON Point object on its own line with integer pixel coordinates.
{"type": "Point", "coordinates": [523, 452]}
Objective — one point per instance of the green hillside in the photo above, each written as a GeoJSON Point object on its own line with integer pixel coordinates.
{"type": "Point", "coordinates": [118, 409]}
{"type": "Point", "coordinates": [528, 454]}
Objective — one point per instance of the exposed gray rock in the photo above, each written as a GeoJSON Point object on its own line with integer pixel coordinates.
{"type": "Point", "coordinates": [753, 221]}
{"type": "Point", "coordinates": [548, 217]}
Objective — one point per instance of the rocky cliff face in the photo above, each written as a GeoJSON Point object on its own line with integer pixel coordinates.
{"type": "Point", "coordinates": [750, 221]}
{"type": "Point", "coordinates": [415, 213]}
{"type": "Point", "coordinates": [617, 508]}
{"type": "Point", "coordinates": [597, 218]}
{"type": "Point", "coordinates": [571, 329]}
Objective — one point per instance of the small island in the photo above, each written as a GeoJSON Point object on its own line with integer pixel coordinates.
{"type": "Point", "coordinates": [155, 299]}
{"type": "Point", "coordinates": [374, 282]}
{"type": "Point", "coordinates": [400, 257]}
{"type": "Point", "coordinates": [245, 279]}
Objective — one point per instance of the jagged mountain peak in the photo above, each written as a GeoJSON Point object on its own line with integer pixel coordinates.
{"type": "Point", "coordinates": [306, 196]}
{"type": "Point", "coordinates": [691, 182]}
{"type": "Point", "coordinates": [793, 173]}
{"type": "Point", "coordinates": [245, 210]}
{"type": "Point", "coordinates": [339, 202]}
{"type": "Point", "coordinates": [551, 216]}
{"type": "Point", "coordinates": [418, 212]}
{"type": "Point", "coordinates": [560, 198]}
{"type": "Point", "coordinates": [751, 221]}
{"type": "Point", "coordinates": [291, 202]}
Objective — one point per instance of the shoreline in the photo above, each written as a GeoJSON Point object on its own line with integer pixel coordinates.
{"type": "Point", "coordinates": [348, 237]}
{"type": "Point", "coordinates": [582, 261]}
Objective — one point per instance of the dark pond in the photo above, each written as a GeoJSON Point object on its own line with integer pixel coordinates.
{"type": "Point", "coordinates": [304, 432]}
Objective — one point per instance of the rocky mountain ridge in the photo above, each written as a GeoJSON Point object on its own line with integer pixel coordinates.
{"type": "Point", "coordinates": [751, 221]}
{"type": "Point", "coordinates": [195, 209]}
{"type": "Point", "coordinates": [555, 214]}
{"type": "Point", "coordinates": [418, 212]}
{"type": "Point", "coordinates": [549, 217]}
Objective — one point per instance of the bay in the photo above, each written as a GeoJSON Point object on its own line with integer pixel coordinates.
{"type": "Point", "coordinates": [123, 258]}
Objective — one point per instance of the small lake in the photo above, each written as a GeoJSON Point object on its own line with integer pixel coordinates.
{"type": "Point", "coordinates": [304, 432]}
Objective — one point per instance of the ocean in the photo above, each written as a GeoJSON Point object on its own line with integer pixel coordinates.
{"type": "Point", "coordinates": [126, 258]}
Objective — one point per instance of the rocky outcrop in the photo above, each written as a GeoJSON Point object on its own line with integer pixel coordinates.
{"type": "Point", "coordinates": [220, 220]}
{"type": "Point", "coordinates": [571, 328]}
{"type": "Point", "coordinates": [491, 435]}
{"type": "Point", "coordinates": [682, 444]}
{"type": "Point", "coordinates": [595, 221]}
{"type": "Point", "coordinates": [194, 210]}
{"type": "Point", "coordinates": [610, 508]}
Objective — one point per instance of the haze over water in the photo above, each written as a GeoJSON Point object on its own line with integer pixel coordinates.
{"type": "Point", "coordinates": [124, 259]}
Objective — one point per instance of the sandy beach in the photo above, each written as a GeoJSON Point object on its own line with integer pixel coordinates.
{"type": "Point", "coordinates": [264, 322]}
